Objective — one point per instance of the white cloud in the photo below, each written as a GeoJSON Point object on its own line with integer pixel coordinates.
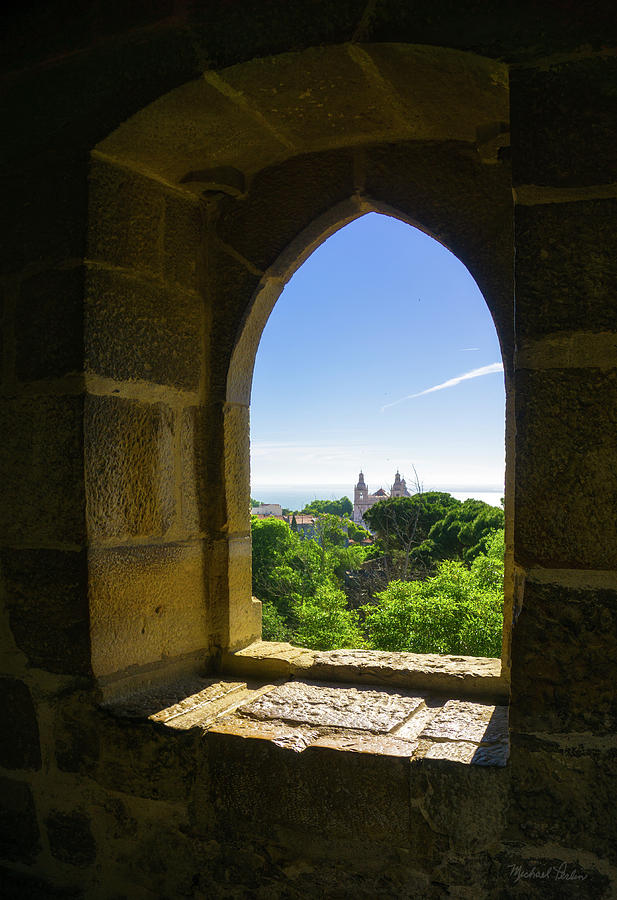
{"type": "Point", "coordinates": [451, 382]}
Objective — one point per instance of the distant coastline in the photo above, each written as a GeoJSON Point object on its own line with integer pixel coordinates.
{"type": "Point", "coordinates": [297, 496]}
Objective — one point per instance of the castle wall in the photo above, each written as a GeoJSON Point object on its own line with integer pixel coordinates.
{"type": "Point", "coordinates": [136, 280]}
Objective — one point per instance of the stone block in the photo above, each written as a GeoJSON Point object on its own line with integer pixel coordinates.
{"type": "Point", "coordinates": [467, 206]}
{"type": "Point", "coordinates": [129, 467]}
{"type": "Point", "coordinates": [467, 803]}
{"type": "Point", "coordinates": [19, 831]}
{"type": "Point", "coordinates": [70, 837]}
{"type": "Point", "coordinates": [228, 38]}
{"type": "Point", "coordinates": [17, 885]}
{"type": "Point", "coordinates": [184, 224]}
{"type": "Point", "coordinates": [566, 483]}
{"type": "Point", "coordinates": [282, 201]}
{"type": "Point", "coordinates": [515, 33]}
{"type": "Point", "coordinates": [49, 325]}
{"type": "Point", "coordinates": [320, 98]}
{"type": "Point", "coordinates": [563, 794]}
{"type": "Point", "coordinates": [138, 329]}
{"type": "Point", "coordinates": [133, 756]}
{"type": "Point", "coordinates": [126, 216]}
{"type": "Point", "coordinates": [46, 203]}
{"type": "Point", "coordinates": [566, 268]}
{"type": "Point", "coordinates": [459, 720]}
{"type": "Point", "coordinates": [244, 612]}
{"type": "Point", "coordinates": [147, 604]}
{"type": "Point", "coordinates": [574, 100]}
{"type": "Point", "coordinates": [443, 94]}
{"type": "Point", "coordinates": [19, 742]}
{"type": "Point", "coordinates": [336, 793]}
{"type": "Point", "coordinates": [335, 706]}
{"type": "Point", "coordinates": [563, 663]}
{"type": "Point", "coordinates": [195, 497]}
{"type": "Point", "coordinates": [230, 289]}
{"type": "Point", "coordinates": [237, 468]}
{"type": "Point", "coordinates": [41, 469]}
{"type": "Point", "coordinates": [47, 601]}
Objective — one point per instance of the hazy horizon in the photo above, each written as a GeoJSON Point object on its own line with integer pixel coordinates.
{"type": "Point", "coordinates": [380, 354]}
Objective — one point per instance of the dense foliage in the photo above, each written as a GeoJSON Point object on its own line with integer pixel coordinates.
{"type": "Point", "coordinates": [431, 581]}
{"type": "Point", "coordinates": [341, 507]}
{"type": "Point", "coordinates": [458, 610]}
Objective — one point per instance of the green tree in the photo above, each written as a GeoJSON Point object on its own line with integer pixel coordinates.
{"type": "Point", "coordinates": [341, 507]}
{"type": "Point", "coordinates": [356, 532]}
{"type": "Point", "coordinates": [326, 623]}
{"type": "Point", "coordinates": [403, 523]}
{"type": "Point", "coordinates": [463, 532]}
{"type": "Point", "coordinates": [458, 610]}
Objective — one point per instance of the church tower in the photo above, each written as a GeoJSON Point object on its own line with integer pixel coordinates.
{"type": "Point", "coordinates": [399, 488]}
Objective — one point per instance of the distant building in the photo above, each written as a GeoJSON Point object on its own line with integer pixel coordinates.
{"type": "Point", "coordinates": [267, 509]}
{"type": "Point", "coordinates": [362, 500]}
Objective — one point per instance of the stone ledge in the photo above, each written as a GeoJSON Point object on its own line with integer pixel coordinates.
{"type": "Point", "coordinates": [455, 676]}
{"type": "Point", "coordinates": [298, 715]}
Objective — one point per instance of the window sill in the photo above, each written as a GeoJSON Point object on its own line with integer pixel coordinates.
{"type": "Point", "coordinates": [427, 709]}
{"type": "Point", "coordinates": [462, 677]}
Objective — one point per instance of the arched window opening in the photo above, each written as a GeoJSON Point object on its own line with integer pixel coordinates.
{"type": "Point", "coordinates": [380, 356]}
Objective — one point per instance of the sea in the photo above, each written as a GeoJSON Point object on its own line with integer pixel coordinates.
{"type": "Point", "coordinates": [297, 496]}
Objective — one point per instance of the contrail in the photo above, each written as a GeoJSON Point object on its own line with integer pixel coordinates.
{"type": "Point", "coordinates": [451, 382]}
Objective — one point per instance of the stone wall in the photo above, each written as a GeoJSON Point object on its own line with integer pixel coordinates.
{"type": "Point", "coordinates": [166, 169]}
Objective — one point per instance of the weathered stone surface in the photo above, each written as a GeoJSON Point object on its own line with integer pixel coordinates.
{"type": "Point", "coordinates": [16, 885]}
{"type": "Point", "coordinates": [463, 675]}
{"type": "Point", "coordinates": [47, 600]}
{"type": "Point", "coordinates": [237, 468]}
{"type": "Point", "coordinates": [564, 670]}
{"type": "Point", "coordinates": [374, 744]}
{"type": "Point", "coordinates": [566, 268]}
{"type": "Point", "coordinates": [70, 837]}
{"type": "Point", "coordinates": [19, 743]}
{"type": "Point", "coordinates": [268, 659]}
{"type": "Point", "coordinates": [562, 793]}
{"type": "Point", "coordinates": [139, 758]}
{"type": "Point", "coordinates": [126, 215]}
{"type": "Point", "coordinates": [467, 803]}
{"type": "Point", "coordinates": [41, 469]}
{"type": "Point", "coordinates": [462, 721]}
{"type": "Point", "coordinates": [168, 702]}
{"type": "Point", "coordinates": [49, 325]}
{"type": "Point", "coordinates": [566, 480]}
{"type": "Point", "coordinates": [340, 707]}
{"type": "Point", "coordinates": [129, 467]}
{"type": "Point", "coordinates": [147, 603]}
{"type": "Point", "coordinates": [230, 287]}
{"type": "Point", "coordinates": [19, 831]}
{"type": "Point", "coordinates": [514, 33]}
{"type": "Point", "coordinates": [316, 103]}
{"type": "Point", "coordinates": [140, 329]}
{"type": "Point", "coordinates": [46, 202]}
{"type": "Point", "coordinates": [182, 244]}
{"type": "Point", "coordinates": [196, 500]}
{"type": "Point", "coordinates": [337, 793]}
{"type": "Point", "coordinates": [575, 100]}
{"type": "Point", "coordinates": [190, 124]}
{"type": "Point", "coordinates": [289, 197]}
{"type": "Point", "coordinates": [493, 754]}
{"type": "Point", "coordinates": [285, 736]}
{"type": "Point", "coordinates": [443, 94]}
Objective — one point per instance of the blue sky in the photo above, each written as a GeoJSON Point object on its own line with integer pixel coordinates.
{"type": "Point", "coordinates": [360, 366]}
